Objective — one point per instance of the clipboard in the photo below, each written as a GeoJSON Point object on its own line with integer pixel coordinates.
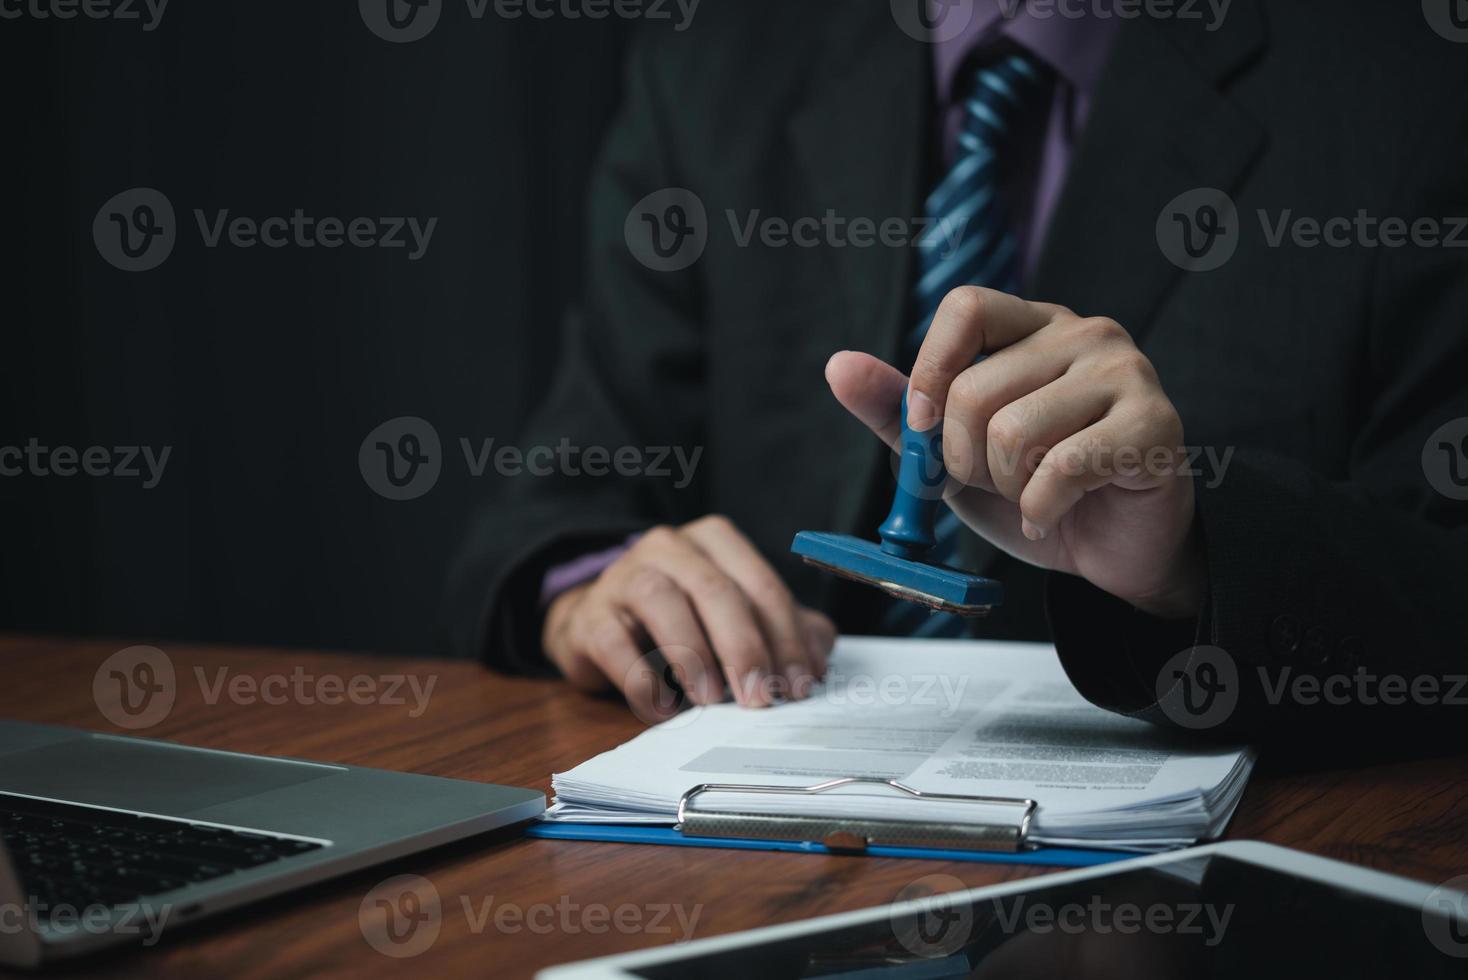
{"type": "Point", "coordinates": [1002, 841]}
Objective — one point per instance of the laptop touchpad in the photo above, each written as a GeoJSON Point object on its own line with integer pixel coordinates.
{"type": "Point", "coordinates": [153, 777]}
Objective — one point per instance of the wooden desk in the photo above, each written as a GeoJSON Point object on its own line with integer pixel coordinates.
{"type": "Point", "coordinates": [1410, 818]}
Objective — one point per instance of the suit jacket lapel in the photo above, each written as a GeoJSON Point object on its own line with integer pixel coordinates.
{"type": "Point", "coordinates": [1159, 126]}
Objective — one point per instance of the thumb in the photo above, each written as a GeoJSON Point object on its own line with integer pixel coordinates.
{"type": "Point", "coordinates": [871, 390]}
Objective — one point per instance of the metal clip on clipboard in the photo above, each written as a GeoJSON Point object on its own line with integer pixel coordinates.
{"type": "Point", "coordinates": [856, 835]}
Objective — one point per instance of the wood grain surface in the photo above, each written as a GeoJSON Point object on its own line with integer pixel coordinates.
{"type": "Point", "coordinates": [1405, 817]}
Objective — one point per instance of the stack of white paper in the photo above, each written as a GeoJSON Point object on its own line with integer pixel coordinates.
{"type": "Point", "coordinates": [952, 717]}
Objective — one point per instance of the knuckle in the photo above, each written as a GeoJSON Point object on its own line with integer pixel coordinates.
{"type": "Point", "coordinates": [1006, 430]}
{"type": "Point", "coordinates": [1131, 364]}
{"type": "Point", "coordinates": [1160, 412]}
{"type": "Point", "coordinates": [967, 302]}
{"type": "Point", "coordinates": [713, 522]}
{"type": "Point", "coordinates": [714, 585]}
{"type": "Point", "coordinates": [1101, 330]}
{"type": "Point", "coordinates": [1160, 416]}
{"type": "Point", "coordinates": [579, 634]}
{"type": "Point", "coordinates": [1148, 372]}
{"type": "Point", "coordinates": [1062, 462]}
{"type": "Point", "coordinates": [648, 584]}
{"type": "Point", "coordinates": [964, 395]}
{"type": "Point", "coordinates": [1092, 445]}
{"type": "Point", "coordinates": [745, 648]}
{"type": "Point", "coordinates": [604, 638]}
{"type": "Point", "coordinates": [658, 536]}
{"type": "Point", "coordinates": [966, 414]}
{"type": "Point", "coordinates": [770, 591]}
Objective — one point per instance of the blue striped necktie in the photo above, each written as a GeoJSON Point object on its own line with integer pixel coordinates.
{"type": "Point", "coordinates": [966, 208]}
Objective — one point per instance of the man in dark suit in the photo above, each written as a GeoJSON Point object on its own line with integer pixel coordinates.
{"type": "Point", "coordinates": [1236, 466]}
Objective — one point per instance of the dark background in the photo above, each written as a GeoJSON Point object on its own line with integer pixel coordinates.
{"type": "Point", "coordinates": [264, 368]}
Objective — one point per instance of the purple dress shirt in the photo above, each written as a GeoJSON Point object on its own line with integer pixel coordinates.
{"type": "Point", "coordinates": [1075, 45]}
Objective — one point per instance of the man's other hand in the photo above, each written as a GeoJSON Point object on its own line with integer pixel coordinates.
{"type": "Point", "coordinates": [704, 599]}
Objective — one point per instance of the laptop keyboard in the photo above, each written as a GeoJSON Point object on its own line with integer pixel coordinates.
{"type": "Point", "coordinates": [80, 856]}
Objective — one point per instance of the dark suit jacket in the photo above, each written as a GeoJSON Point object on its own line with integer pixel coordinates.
{"type": "Point", "coordinates": [1324, 369]}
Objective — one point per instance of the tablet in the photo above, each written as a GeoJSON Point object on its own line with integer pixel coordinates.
{"type": "Point", "coordinates": [1237, 909]}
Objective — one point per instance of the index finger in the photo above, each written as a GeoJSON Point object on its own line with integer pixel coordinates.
{"type": "Point", "coordinates": [971, 321]}
{"type": "Point", "coordinates": [773, 604]}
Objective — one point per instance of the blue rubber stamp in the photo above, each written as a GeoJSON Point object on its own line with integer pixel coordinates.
{"type": "Point", "coordinates": [899, 565]}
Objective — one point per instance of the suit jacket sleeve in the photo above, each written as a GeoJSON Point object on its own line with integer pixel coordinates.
{"type": "Point", "coordinates": [1325, 585]}
{"type": "Point", "coordinates": [630, 379]}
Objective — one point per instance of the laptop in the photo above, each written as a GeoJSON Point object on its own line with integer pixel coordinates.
{"type": "Point", "coordinates": [111, 839]}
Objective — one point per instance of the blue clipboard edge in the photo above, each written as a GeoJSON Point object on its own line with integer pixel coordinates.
{"type": "Point", "coordinates": [1060, 857]}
